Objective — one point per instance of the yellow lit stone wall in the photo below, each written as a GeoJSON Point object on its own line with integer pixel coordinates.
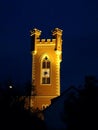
{"type": "Point", "coordinates": [52, 48]}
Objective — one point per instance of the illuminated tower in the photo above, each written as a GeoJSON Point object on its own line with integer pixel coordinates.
{"type": "Point", "coordinates": [46, 58]}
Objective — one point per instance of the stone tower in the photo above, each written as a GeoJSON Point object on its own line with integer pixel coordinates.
{"type": "Point", "coordinates": [46, 58]}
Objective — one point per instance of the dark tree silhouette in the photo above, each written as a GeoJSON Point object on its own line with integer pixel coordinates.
{"type": "Point", "coordinates": [83, 113]}
{"type": "Point", "coordinates": [14, 116]}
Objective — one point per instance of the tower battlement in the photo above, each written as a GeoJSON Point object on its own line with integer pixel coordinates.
{"type": "Point", "coordinates": [45, 41]}
{"type": "Point", "coordinates": [57, 39]}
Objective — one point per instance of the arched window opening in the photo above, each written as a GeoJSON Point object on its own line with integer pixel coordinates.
{"type": "Point", "coordinates": [45, 71]}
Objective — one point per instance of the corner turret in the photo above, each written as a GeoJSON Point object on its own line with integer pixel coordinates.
{"type": "Point", "coordinates": [35, 34]}
{"type": "Point", "coordinates": [57, 34]}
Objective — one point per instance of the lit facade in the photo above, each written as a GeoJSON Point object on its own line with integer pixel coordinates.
{"type": "Point", "coordinates": [46, 58]}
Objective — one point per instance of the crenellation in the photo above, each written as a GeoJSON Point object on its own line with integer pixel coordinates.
{"type": "Point", "coordinates": [53, 40]}
{"type": "Point", "coordinates": [48, 40]}
{"type": "Point", "coordinates": [38, 40]}
{"type": "Point", "coordinates": [43, 40]}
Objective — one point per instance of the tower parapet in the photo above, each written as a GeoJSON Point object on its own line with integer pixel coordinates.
{"type": "Point", "coordinates": [57, 38]}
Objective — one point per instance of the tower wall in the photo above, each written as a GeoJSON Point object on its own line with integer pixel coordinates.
{"type": "Point", "coordinates": [46, 58]}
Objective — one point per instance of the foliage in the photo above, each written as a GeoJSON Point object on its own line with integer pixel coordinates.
{"type": "Point", "coordinates": [83, 113]}
{"type": "Point", "coordinates": [14, 116]}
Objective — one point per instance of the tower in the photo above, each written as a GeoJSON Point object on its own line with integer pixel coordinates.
{"type": "Point", "coordinates": [46, 58]}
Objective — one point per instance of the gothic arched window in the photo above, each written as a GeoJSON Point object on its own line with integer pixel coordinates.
{"type": "Point", "coordinates": [45, 79]}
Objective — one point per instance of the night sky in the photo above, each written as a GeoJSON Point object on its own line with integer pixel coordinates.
{"type": "Point", "coordinates": [77, 18]}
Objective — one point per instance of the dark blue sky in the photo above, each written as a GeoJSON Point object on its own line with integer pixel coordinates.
{"type": "Point", "coordinates": [77, 18]}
